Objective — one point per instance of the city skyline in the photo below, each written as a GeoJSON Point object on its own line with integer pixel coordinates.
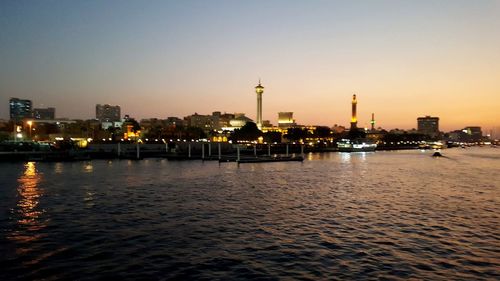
{"type": "Point", "coordinates": [159, 59]}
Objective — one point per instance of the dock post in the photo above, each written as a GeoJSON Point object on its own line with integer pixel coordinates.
{"type": "Point", "coordinates": [119, 150]}
{"type": "Point", "coordinates": [138, 151]}
{"type": "Point", "coordinates": [287, 149]}
{"type": "Point", "coordinates": [166, 147]}
{"type": "Point", "coordinates": [218, 146]}
{"type": "Point", "coordinates": [238, 153]}
{"type": "Point", "coordinates": [255, 150]}
{"type": "Point", "coordinates": [202, 151]}
{"type": "Point", "coordinates": [189, 150]}
{"type": "Point", "coordinates": [209, 149]}
{"type": "Point", "coordinates": [269, 150]}
{"type": "Point", "coordinates": [302, 150]}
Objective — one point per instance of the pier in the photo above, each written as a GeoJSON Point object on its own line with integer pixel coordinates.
{"type": "Point", "coordinates": [174, 151]}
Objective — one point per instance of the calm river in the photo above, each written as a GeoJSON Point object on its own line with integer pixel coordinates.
{"type": "Point", "coordinates": [383, 215]}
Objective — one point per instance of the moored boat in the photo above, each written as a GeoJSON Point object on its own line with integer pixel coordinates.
{"type": "Point", "coordinates": [356, 145]}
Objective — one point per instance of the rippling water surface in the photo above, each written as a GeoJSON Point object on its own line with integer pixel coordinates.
{"type": "Point", "coordinates": [394, 215]}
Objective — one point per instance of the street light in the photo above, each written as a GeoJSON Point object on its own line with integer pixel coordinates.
{"type": "Point", "coordinates": [30, 123]}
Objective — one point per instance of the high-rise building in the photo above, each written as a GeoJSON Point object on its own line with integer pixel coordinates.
{"type": "Point", "coordinates": [48, 113]}
{"type": "Point", "coordinates": [259, 89]}
{"type": "Point", "coordinates": [107, 113]}
{"type": "Point", "coordinates": [428, 126]}
{"type": "Point", "coordinates": [354, 119]}
{"type": "Point", "coordinates": [285, 120]}
{"type": "Point", "coordinates": [20, 109]}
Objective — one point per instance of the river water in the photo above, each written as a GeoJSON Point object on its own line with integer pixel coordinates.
{"type": "Point", "coordinates": [383, 215]}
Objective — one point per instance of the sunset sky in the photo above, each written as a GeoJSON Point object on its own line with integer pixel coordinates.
{"type": "Point", "coordinates": [403, 59]}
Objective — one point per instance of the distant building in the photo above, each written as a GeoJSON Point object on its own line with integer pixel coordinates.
{"type": "Point", "coordinates": [266, 124]}
{"type": "Point", "coordinates": [474, 132]}
{"type": "Point", "coordinates": [20, 109]}
{"type": "Point", "coordinates": [428, 126]}
{"type": "Point", "coordinates": [336, 129]}
{"type": "Point", "coordinates": [285, 120]}
{"type": "Point", "coordinates": [239, 120]}
{"type": "Point", "coordinates": [224, 120]}
{"type": "Point", "coordinates": [467, 134]}
{"type": "Point", "coordinates": [106, 125]}
{"type": "Point", "coordinates": [174, 122]}
{"type": "Point", "coordinates": [107, 113]}
{"type": "Point", "coordinates": [48, 113]}
{"type": "Point", "coordinates": [205, 122]}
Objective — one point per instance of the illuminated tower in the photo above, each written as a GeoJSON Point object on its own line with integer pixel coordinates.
{"type": "Point", "coordinates": [354, 119]}
{"type": "Point", "coordinates": [259, 90]}
{"type": "Point", "coordinates": [373, 121]}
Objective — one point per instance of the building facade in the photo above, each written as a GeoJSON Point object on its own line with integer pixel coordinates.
{"type": "Point", "coordinates": [204, 122]}
{"type": "Point", "coordinates": [20, 109]}
{"type": "Point", "coordinates": [48, 113]}
{"type": "Point", "coordinates": [285, 120]}
{"type": "Point", "coordinates": [428, 126]}
{"type": "Point", "coordinates": [107, 113]}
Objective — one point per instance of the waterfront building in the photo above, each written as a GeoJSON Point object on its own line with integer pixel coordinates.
{"type": "Point", "coordinates": [266, 124]}
{"type": "Point", "coordinates": [222, 121]}
{"type": "Point", "coordinates": [107, 113]}
{"type": "Point", "coordinates": [428, 126]}
{"type": "Point", "coordinates": [48, 113]}
{"type": "Point", "coordinates": [239, 121]}
{"type": "Point", "coordinates": [467, 134]}
{"type": "Point", "coordinates": [285, 120]}
{"type": "Point", "coordinates": [259, 89]}
{"type": "Point", "coordinates": [204, 122]}
{"type": "Point", "coordinates": [20, 109]}
{"type": "Point", "coordinates": [474, 132]}
{"type": "Point", "coordinates": [174, 122]}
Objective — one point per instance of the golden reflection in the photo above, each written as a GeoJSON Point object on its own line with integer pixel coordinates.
{"type": "Point", "coordinates": [27, 206]}
{"type": "Point", "coordinates": [363, 156]}
{"type": "Point", "coordinates": [88, 168]}
{"type": "Point", "coordinates": [58, 168]}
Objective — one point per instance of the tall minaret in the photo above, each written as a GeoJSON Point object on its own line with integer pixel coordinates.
{"type": "Point", "coordinates": [354, 119]}
{"type": "Point", "coordinates": [259, 90]}
{"type": "Point", "coordinates": [373, 121]}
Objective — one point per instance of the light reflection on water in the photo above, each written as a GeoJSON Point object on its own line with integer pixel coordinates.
{"type": "Point", "coordinates": [27, 210]}
{"type": "Point", "coordinates": [88, 167]}
{"type": "Point", "coordinates": [29, 195]}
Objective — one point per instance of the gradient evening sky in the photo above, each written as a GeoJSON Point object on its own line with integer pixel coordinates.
{"type": "Point", "coordinates": [403, 59]}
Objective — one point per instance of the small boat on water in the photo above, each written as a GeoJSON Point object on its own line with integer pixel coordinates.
{"type": "Point", "coordinates": [437, 154]}
{"type": "Point", "coordinates": [356, 145]}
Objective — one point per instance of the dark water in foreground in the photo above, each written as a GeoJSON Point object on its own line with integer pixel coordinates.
{"type": "Point", "coordinates": [394, 215]}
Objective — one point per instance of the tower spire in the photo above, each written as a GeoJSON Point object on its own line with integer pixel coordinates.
{"type": "Point", "coordinates": [259, 89]}
{"type": "Point", "coordinates": [354, 119]}
{"type": "Point", "coordinates": [373, 121]}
